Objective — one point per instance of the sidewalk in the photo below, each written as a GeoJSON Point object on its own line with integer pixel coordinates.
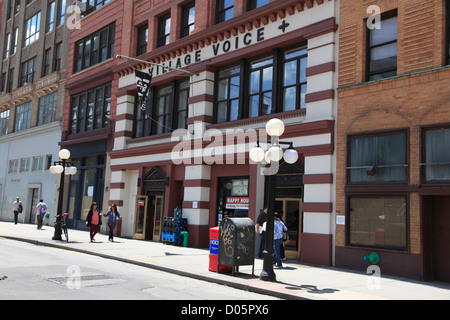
{"type": "Point", "coordinates": [294, 281]}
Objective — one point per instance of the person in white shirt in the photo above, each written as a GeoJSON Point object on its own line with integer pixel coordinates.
{"type": "Point", "coordinates": [17, 208]}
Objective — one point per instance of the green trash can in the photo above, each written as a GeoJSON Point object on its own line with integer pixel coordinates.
{"type": "Point", "coordinates": [185, 235]}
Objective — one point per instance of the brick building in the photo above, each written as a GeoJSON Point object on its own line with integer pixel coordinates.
{"type": "Point", "coordinates": [393, 131]}
{"type": "Point", "coordinates": [90, 103]}
{"type": "Point", "coordinates": [251, 61]}
{"type": "Point", "coordinates": [32, 76]}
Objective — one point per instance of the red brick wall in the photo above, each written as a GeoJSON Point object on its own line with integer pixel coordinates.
{"type": "Point", "coordinates": [410, 101]}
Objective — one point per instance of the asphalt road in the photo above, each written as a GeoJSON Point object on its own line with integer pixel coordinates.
{"type": "Point", "coordinates": [29, 272]}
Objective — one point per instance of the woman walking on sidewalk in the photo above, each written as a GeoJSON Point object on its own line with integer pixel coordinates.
{"type": "Point", "coordinates": [113, 215]}
{"type": "Point", "coordinates": [94, 221]}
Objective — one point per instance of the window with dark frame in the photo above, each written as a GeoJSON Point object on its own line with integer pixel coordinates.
{"type": "Point", "coordinates": [378, 221]}
{"type": "Point", "coordinates": [61, 16]}
{"type": "Point", "coordinates": [142, 40]}
{"type": "Point", "coordinates": [377, 158]}
{"type": "Point", "coordinates": [23, 117]}
{"type": "Point", "coordinates": [187, 19]}
{"type": "Point", "coordinates": [93, 5]}
{"type": "Point", "coordinates": [294, 79]}
{"type": "Point", "coordinates": [382, 49]}
{"type": "Point", "coordinates": [58, 57]}
{"type": "Point", "coordinates": [27, 72]}
{"type": "Point", "coordinates": [90, 110]}
{"type": "Point", "coordinates": [228, 93]}
{"type": "Point", "coordinates": [168, 106]}
{"type": "Point", "coordinates": [4, 122]}
{"type": "Point", "coordinates": [32, 29]}
{"type": "Point", "coordinates": [286, 84]}
{"type": "Point", "coordinates": [261, 87]}
{"type": "Point", "coordinates": [15, 41]}
{"type": "Point", "coordinates": [164, 30]}
{"type": "Point", "coordinates": [436, 155]}
{"type": "Point", "coordinates": [51, 16]}
{"type": "Point", "coordinates": [253, 4]}
{"type": "Point", "coordinates": [225, 10]}
{"type": "Point", "coordinates": [47, 108]}
{"type": "Point", "coordinates": [95, 48]}
{"type": "Point", "coordinates": [47, 61]}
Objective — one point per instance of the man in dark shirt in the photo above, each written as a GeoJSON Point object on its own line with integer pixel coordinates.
{"type": "Point", "coordinates": [262, 233]}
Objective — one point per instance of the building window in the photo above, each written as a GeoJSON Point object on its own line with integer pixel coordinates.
{"type": "Point", "coordinates": [170, 110]}
{"type": "Point", "coordinates": [181, 112]}
{"type": "Point", "coordinates": [4, 120]}
{"type": "Point", "coordinates": [163, 110]}
{"type": "Point", "coordinates": [58, 56]}
{"type": "Point", "coordinates": [90, 109]}
{"type": "Point", "coordinates": [47, 108]}
{"type": "Point", "coordinates": [228, 92]}
{"type": "Point", "coordinates": [142, 40]}
{"type": "Point", "coordinates": [47, 60]}
{"type": "Point", "coordinates": [95, 48]}
{"type": "Point", "coordinates": [92, 5]}
{"type": "Point", "coordinates": [24, 165]}
{"type": "Point", "coordinates": [61, 12]}
{"type": "Point", "coordinates": [294, 79]}
{"type": "Point", "coordinates": [7, 46]}
{"type": "Point", "coordinates": [23, 117]}
{"type": "Point", "coordinates": [261, 88]}
{"type": "Point", "coordinates": [233, 102]}
{"type": "Point", "coordinates": [232, 197]}
{"type": "Point", "coordinates": [15, 40]}
{"type": "Point", "coordinates": [32, 29]}
{"type": "Point", "coordinates": [378, 221]}
{"type": "Point", "coordinates": [38, 163]}
{"type": "Point", "coordinates": [9, 87]}
{"type": "Point", "coordinates": [225, 10]}
{"type": "Point", "coordinates": [377, 158]}
{"type": "Point", "coordinates": [164, 30]}
{"type": "Point", "coordinates": [28, 69]}
{"type": "Point", "coordinates": [51, 17]}
{"type": "Point", "coordinates": [382, 50]}
{"type": "Point", "coordinates": [13, 166]}
{"type": "Point", "coordinates": [253, 4]}
{"type": "Point", "coordinates": [187, 19]}
{"type": "Point", "coordinates": [436, 155]}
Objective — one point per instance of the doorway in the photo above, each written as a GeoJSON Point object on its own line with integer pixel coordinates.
{"type": "Point", "coordinates": [441, 240]}
{"type": "Point", "coordinates": [291, 211]}
{"type": "Point", "coordinates": [149, 215]}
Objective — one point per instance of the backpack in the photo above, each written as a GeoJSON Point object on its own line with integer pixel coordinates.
{"type": "Point", "coordinates": [20, 208]}
{"type": "Point", "coordinates": [42, 209]}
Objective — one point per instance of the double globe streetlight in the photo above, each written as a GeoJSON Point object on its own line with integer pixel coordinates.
{"type": "Point", "coordinates": [60, 167]}
{"type": "Point", "coordinates": [274, 128]}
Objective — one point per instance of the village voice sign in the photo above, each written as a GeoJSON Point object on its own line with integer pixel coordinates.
{"type": "Point", "coordinates": [241, 40]}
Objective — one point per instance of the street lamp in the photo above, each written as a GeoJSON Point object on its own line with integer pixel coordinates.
{"type": "Point", "coordinates": [62, 167]}
{"type": "Point", "coordinates": [274, 128]}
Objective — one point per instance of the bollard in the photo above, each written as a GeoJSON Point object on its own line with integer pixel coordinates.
{"type": "Point", "coordinates": [185, 235]}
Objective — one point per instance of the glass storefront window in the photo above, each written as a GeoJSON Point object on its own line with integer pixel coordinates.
{"type": "Point", "coordinates": [233, 197]}
{"type": "Point", "coordinates": [378, 221]}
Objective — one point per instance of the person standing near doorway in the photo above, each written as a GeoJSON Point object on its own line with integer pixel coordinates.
{"type": "Point", "coordinates": [41, 210]}
{"type": "Point", "coordinates": [262, 232]}
{"type": "Point", "coordinates": [17, 208]}
{"type": "Point", "coordinates": [93, 220]}
{"type": "Point", "coordinates": [113, 215]}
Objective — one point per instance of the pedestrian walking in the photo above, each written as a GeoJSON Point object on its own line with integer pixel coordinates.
{"type": "Point", "coordinates": [93, 220]}
{"type": "Point", "coordinates": [261, 231]}
{"type": "Point", "coordinates": [17, 208]}
{"type": "Point", "coordinates": [113, 215]}
{"type": "Point", "coordinates": [278, 229]}
{"type": "Point", "coordinates": [41, 210]}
